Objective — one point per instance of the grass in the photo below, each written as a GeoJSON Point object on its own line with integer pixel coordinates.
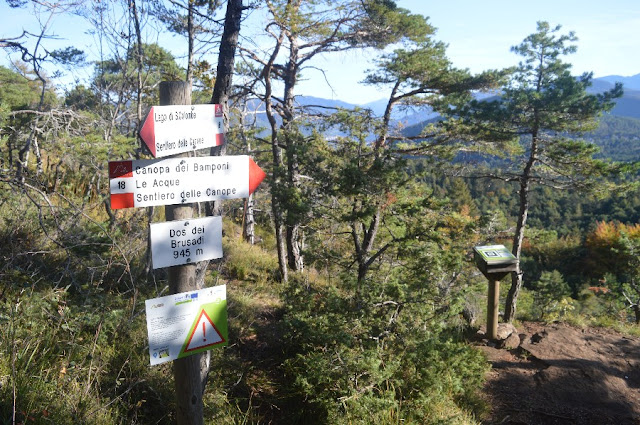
{"type": "Point", "coordinates": [74, 344]}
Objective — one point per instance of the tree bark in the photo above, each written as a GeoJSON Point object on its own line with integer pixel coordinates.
{"type": "Point", "coordinates": [248, 228]}
{"type": "Point", "coordinates": [224, 78]}
{"type": "Point", "coordinates": [278, 165]}
{"type": "Point", "coordinates": [516, 277]}
{"type": "Point", "coordinates": [248, 219]}
{"type": "Point", "coordinates": [191, 35]}
{"type": "Point", "coordinates": [294, 230]}
{"type": "Point", "coordinates": [221, 93]}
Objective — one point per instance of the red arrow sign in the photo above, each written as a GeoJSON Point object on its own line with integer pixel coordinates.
{"type": "Point", "coordinates": [144, 183]}
{"type": "Point", "coordinates": [173, 129]}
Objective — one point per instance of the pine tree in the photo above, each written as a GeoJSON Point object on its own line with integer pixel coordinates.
{"type": "Point", "coordinates": [534, 122]}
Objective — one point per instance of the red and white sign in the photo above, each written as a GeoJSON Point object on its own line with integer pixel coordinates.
{"type": "Point", "coordinates": [173, 129]}
{"type": "Point", "coordinates": [170, 181]}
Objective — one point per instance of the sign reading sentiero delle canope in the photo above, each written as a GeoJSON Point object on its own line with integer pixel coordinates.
{"type": "Point", "coordinates": [171, 181]}
{"type": "Point", "coordinates": [178, 242]}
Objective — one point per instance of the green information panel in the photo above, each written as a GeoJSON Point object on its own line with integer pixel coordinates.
{"type": "Point", "coordinates": [186, 323]}
{"type": "Point", "coordinates": [495, 254]}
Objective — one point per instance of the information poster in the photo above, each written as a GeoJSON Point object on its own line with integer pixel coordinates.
{"type": "Point", "coordinates": [187, 323]}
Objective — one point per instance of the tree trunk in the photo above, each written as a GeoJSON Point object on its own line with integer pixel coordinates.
{"type": "Point", "coordinates": [224, 78]}
{"type": "Point", "coordinates": [139, 56]}
{"type": "Point", "coordinates": [278, 165]}
{"type": "Point", "coordinates": [191, 35]}
{"type": "Point", "coordinates": [248, 228]}
{"type": "Point", "coordinates": [294, 230]}
{"type": "Point", "coordinates": [248, 220]}
{"type": "Point", "coordinates": [294, 247]}
{"type": "Point", "coordinates": [187, 373]}
{"type": "Point", "coordinates": [516, 277]}
{"type": "Point", "coordinates": [364, 246]}
{"type": "Point", "coordinates": [518, 238]}
{"type": "Point", "coordinates": [221, 93]}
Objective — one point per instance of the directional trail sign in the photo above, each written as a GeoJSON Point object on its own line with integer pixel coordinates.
{"type": "Point", "coordinates": [171, 181]}
{"type": "Point", "coordinates": [173, 129]}
{"type": "Point", "coordinates": [178, 242]}
{"type": "Point", "coordinates": [182, 324]}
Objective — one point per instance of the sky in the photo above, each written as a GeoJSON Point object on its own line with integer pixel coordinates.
{"type": "Point", "coordinates": [479, 35]}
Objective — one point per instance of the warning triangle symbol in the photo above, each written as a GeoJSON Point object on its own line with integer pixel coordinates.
{"type": "Point", "coordinates": [204, 334]}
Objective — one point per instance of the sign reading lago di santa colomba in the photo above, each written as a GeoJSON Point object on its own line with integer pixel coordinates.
{"type": "Point", "coordinates": [174, 129]}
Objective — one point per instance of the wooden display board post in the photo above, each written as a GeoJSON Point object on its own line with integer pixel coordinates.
{"type": "Point", "coordinates": [495, 262]}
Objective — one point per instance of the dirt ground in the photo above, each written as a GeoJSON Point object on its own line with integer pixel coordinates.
{"type": "Point", "coordinates": [565, 375]}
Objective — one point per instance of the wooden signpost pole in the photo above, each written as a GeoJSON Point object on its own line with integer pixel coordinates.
{"type": "Point", "coordinates": [495, 262]}
{"type": "Point", "coordinates": [186, 371]}
{"type": "Point", "coordinates": [493, 298]}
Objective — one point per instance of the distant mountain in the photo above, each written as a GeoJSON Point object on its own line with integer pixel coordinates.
{"type": "Point", "coordinates": [377, 107]}
{"type": "Point", "coordinates": [413, 120]}
{"type": "Point", "coordinates": [632, 83]}
{"type": "Point", "coordinates": [323, 103]}
{"type": "Point", "coordinates": [629, 104]}
{"type": "Point", "coordinates": [400, 116]}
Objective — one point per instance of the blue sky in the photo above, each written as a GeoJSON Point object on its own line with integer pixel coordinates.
{"type": "Point", "coordinates": [479, 35]}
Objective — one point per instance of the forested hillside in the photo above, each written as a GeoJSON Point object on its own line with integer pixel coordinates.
{"type": "Point", "coordinates": [351, 285]}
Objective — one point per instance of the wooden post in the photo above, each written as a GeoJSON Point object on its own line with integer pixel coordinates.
{"type": "Point", "coordinates": [495, 262]}
{"type": "Point", "coordinates": [186, 371]}
{"type": "Point", "coordinates": [492, 308]}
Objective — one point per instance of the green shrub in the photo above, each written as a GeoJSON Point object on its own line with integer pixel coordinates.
{"type": "Point", "coordinates": [353, 362]}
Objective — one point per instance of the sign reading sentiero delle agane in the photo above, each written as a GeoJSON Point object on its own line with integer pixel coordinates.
{"type": "Point", "coordinates": [178, 242]}
{"type": "Point", "coordinates": [145, 183]}
{"type": "Point", "coordinates": [173, 129]}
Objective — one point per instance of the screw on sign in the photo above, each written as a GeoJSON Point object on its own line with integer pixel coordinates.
{"type": "Point", "coordinates": [183, 324]}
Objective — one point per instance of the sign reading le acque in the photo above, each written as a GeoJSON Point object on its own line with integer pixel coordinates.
{"type": "Point", "coordinates": [145, 183]}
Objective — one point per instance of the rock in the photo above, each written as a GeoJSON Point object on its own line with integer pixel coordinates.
{"type": "Point", "coordinates": [512, 341]}
{"type": "Point", "coordinates": [505, 330]}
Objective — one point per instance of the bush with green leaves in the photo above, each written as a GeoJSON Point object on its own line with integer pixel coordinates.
{"type": "Point", "coordinates": [385, 355]}
{"type": "Point", "coordinates": [551, 294]}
